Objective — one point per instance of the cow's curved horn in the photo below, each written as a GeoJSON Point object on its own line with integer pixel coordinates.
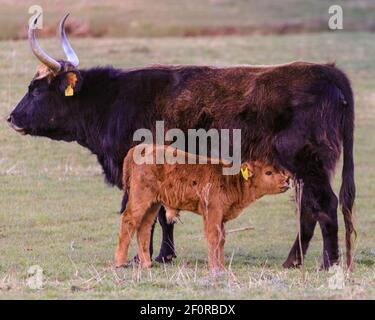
{"type": "Point", "coordinates": [38, 51]}
{"type": "Point", "coordinates": [69, 52]}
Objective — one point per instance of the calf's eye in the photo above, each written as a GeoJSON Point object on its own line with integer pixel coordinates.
{"type": "Point", "coordinates": [268, 173]}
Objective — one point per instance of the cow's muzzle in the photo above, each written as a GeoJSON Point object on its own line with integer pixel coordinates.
{"type": "Point", "coordinates": [286, 185]}
{"type": "Point", "coordinates": [15, 127]}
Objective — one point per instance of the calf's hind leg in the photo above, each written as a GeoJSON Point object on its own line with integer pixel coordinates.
{"type": "Point", "coordinates": [144, 233]}
{"type": "Point", "coordinates": [130, 221]}
{"type": "Point", "coordinates": [123, 207]}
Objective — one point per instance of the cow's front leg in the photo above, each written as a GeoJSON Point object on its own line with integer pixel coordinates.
{"type": "Point", "coordinates": [167, 251]}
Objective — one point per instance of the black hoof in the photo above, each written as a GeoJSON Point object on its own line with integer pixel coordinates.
{"type": "Point", "coordinates": [292, 264]}
{"type": "Point", "coordinates": [326, 265]}
{"type": "Point", "coordinates": [134, 261]}
{"type": "Point", "coordinates": [165, 259]}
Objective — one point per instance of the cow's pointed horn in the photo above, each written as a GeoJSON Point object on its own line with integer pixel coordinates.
{"type": "Point", "coordinates": [69, 52]}
{"type": "Point", "coordinates": [38, 51]}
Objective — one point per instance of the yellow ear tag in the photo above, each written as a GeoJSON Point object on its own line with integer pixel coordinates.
{"type": "Point", "coordinates": [245, 173]}
{"type": "Point", "coordinates": [69, 91]}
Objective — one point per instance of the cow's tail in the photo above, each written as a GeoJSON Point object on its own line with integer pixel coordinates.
{"type": "Point", "coordinates": [347, 190]}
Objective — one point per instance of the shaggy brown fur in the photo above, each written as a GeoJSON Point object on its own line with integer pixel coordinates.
{"type": "Point", "coordinates": [198, 188]}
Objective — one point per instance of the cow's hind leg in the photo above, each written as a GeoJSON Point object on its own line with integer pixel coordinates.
{"type": "Point", "coordinates": [167, 251]}
{"type": "Point", "coordinates": [329, 226]}
{"type": "Point", "coordinates": [319, 203]}
{"type": "Point", "coordinates": [307, 227]}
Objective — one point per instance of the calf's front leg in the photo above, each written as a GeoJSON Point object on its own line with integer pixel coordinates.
{"type": "Point", "coordinates": [222, 243]}
{"type": "Point", "coordinates": [215, 239]}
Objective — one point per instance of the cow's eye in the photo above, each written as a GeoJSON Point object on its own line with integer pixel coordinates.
{"type": "Point", "coordinates": [35, 92]}
{"type": "Point", "coordinates": [268, 173]}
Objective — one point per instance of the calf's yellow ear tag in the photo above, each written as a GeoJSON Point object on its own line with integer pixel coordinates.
{"type": "Point", "coordinates": [69, 91]}
{"type": "Point", "coordinates": [245, 173]}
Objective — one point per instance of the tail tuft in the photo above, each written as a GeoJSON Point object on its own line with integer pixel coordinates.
{"type": "Point", "coordinates": [347, 191]}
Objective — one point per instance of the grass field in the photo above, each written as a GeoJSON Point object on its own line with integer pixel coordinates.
{"type": "Point", "coordinates": [56, 212]}
{"type": "Point", "coordinates": [145, 18]}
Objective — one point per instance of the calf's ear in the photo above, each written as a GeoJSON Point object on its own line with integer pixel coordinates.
{"type": "Point", "coordinates": [69, 83]}
{"type": "Point", "coordinates": [247, 170]}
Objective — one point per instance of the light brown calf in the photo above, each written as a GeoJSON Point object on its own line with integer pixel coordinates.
{"type": "Point", "coordinates": [200, 188]}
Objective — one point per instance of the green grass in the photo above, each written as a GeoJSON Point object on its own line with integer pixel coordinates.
{"type": "Point", "coordinates": [140, 18]}
{"type": "Point", "coordinates": [56, 212]}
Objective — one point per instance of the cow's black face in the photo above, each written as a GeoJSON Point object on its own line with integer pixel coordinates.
{"type": "Point", "coordinates": [45, 110]}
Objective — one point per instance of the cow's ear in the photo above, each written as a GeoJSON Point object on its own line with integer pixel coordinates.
{"type": "Point", "coordinates": [70, 83]}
